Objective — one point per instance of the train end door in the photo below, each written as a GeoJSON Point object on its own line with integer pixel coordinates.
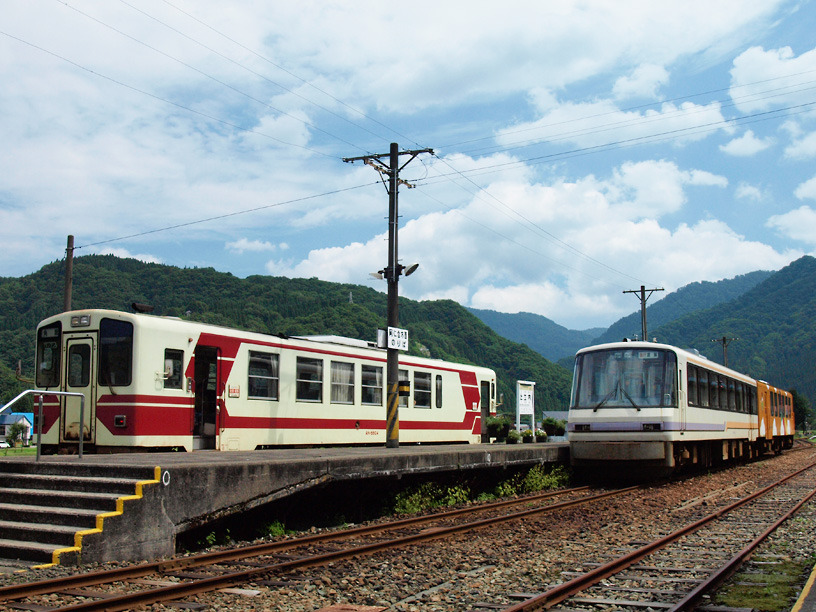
{"type": "Point", "coordinates": [80, 377]}
{"type": "Point", "coordinates": [485, 394]}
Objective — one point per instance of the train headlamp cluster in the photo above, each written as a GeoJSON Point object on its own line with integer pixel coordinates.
{"type": "Point", "coordinates": [81, 320]}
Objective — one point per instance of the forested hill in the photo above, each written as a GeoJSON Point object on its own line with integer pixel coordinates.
{"type": "Point", "coordinates": [539, 333]}
{"type": "Point", "coordinates": [439, 329]}
{"type": "Point", "coordinates": [775, 323]}
{"type": "Point", "coordinates": [687, 299]}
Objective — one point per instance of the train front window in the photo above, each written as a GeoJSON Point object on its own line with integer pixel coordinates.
{"type": "Point", "coordinates": [628, 378]}
{"type": "Point", "coordinates": [79, 365]}
{"type": "Point", "coordinates": [48, 355]}
{"type": "Point", "coordinates": [115, 352]}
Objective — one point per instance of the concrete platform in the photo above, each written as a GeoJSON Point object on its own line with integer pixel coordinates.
{"type": "Point", "coordinates": [175, 492]}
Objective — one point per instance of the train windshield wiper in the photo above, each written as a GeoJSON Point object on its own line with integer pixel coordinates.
{"type": "Point", "coordinates": [627, 396]}
{"type": "Point", "coordinates": [618, 387]}
{"type": "Point", "coordinates": [607, 397]}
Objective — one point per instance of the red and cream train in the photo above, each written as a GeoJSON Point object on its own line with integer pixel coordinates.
{"type": "Point", "coordinates": [153, 382]}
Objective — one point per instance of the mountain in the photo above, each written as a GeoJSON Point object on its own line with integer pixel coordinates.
{"type": "Point", "coordinates": [773, 326]}
{"type": "Point", "coordinates": [539, 333]}
{"type": "Point", "coordinates": [439, 329]}
{"type": "Point", "coordinates": [687, 299]}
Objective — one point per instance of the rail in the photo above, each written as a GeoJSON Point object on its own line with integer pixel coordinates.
{"type": "Point", "coordinates": [40, 413]}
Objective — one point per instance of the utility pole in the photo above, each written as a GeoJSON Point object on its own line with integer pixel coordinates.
{"type": "Point", "coordinates": [643, 298]}
{"type": "Point", "coordinates": [69, 274]}
{"type": "Point", "coordinates": [391, 170]}
{"type": "Point", "coordinates": [725, 342]}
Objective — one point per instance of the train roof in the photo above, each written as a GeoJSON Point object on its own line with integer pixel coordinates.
{"type": "Point", "coordinates": [163, 320]}
{"type": "Point", "coordinates": [690, 354]}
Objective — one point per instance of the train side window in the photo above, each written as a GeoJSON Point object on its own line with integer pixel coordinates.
{"type": "Point", "coordinates": [713, 390]}
{"type": "Point", "coordinates": [79, 365]}
{"type": "Point", "coordinates": [732, 398]}
{"type": "Point", "coordinates": [115, 352]}
{"type": "Point", "coordinates": [371, 381]}
{"type": "Point", "coordinates": [739, 396]}
{"type": "Point", "coordinates": [439, 391]}
{"type": "Point", "coordinates": [48, 355]}
{"type": "Point", "coordinates": [422, 389]}
{"type": "Point", "coordinates": [173, 360]}
{"type": "Point", "coordinates": [309, 380]}
{"type": "Point", "coordinates": [342, 382]}
{"type": "Point", "coordinates": [691, 385]}
{"type": "Point", "coordinates": [752, 399]}
{"type": "Point", "coordinates": [702, 387]}
{"type": "Point", "coordinates": [263, 377]}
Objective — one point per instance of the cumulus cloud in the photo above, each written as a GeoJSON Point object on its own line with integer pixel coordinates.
{"type": "Point", "coordinates": [762, 79]}
{"type": "Point", "coordinates": [746, 145]}
{"type": "Point", "coordinates": [798, 224]}
{"type": "Point", "coordinates": [802, 148]}
{"type": "Point", "coordinates": [592, 124]}
{"type": "Point", "coordinates": [124, 253]}
{"type": "Point", "coordinates": [503, 256]}
{"type": "Point", "coordinates": [256, 246]}
{"type": "Point", "coordinates": [745, 191]}
{"type": "Point", "coordinates": [807, 190]}
{"type": "Point", "coordinates": [643, 82]}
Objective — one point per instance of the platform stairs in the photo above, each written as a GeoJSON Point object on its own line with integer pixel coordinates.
{"type": "Point", "coordinates": [47, 507]}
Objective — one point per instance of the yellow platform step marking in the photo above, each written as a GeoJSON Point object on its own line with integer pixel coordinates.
{"type": "Point", "coordinates": [100, 520]}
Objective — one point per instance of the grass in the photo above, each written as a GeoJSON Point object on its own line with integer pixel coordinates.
{"type": "Point", "coordinates": [17, 452]}
{"type": "Point", "coordinates": [772, 590]}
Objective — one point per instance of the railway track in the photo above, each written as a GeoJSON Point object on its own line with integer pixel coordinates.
{"type": "Point", "coordinates": [595, 541]}
{"type": "Point", "coordinates": [676, 571]}
{"type": "Point", "coordinates": [133, 586]}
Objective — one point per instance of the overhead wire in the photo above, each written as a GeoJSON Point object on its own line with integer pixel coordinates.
{"type": "Point", "coordinates": [427, 180]}
{"type": "Point", "coordinates": [164, 100]}
{"type": "Point", "coordinates": [226, 215]}
{"type": "Point", "coordinates": [246, 68]}
{"type": "Point", "coordinates": [283, 69]}
{"type": "Point", "coordinates": [205, 74]}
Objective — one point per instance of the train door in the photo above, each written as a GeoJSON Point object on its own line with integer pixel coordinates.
{"type": "Point", "coordinates": [484, 392]}
{"type": "Point", "coordinates": [80, 377]}
{"type": "Point", "coordinates": [206, 397]}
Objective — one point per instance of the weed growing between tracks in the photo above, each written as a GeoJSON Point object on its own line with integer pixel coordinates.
{"type": "Point", "coordinates": [773, 588]}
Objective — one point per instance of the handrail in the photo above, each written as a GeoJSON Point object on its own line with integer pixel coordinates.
{"type": "Point", "coordinates": [40, 414]}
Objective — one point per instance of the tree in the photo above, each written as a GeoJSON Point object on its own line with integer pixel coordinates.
{"type": "Point", "coordinates": [15, 432]}
{"type": "Point", "coordinates": [802, 412]}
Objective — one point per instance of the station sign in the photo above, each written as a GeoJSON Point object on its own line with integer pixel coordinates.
{"type": "Point", "coordinates": [397, 338]}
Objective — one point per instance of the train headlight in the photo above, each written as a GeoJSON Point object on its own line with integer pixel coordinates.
{"type": "Point", "coordinates": [81, 320]}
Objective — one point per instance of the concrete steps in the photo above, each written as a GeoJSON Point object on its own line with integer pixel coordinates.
{"type": "Point", "coordinates": [44, 505]}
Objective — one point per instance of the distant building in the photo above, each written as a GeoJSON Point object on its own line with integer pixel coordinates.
{"type": "Point", "coordinates": [7, 419]}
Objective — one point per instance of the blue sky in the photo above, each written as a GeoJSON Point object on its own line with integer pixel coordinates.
{"type": "Point", "coordinates": [580, 149]}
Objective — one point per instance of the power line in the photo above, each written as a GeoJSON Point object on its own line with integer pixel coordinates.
{"type": "Point", "coordinates": [225, 216]}
{"type": "Point", "coordinates": [164, 100]}
{"type": "Point", "coordinates": [205, 74]}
